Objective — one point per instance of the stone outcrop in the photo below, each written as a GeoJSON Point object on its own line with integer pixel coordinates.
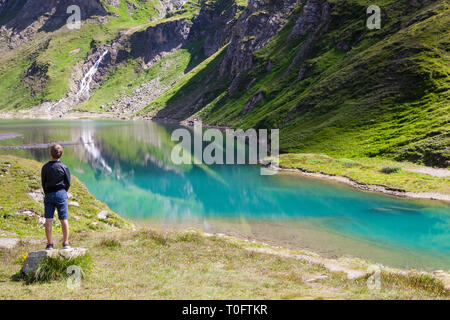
{"type": "Point", "coordinates": [10, 243]}
{"type": "Point", "coordinates": [36, 257]}
{"type": "Point", "coordinates": [214, 27]}
{"type": "Point", "coordinates": [259, 23]}
{"type": "Point", "coordinates": [156, 42]}
{"type": "Point", "coordinates": [313, 23]}
{"type": "Point", "coordinates": [138, 99]}
{"type": "Point", "coordinates": [170, 5]}
{"type": "Point", "coordinates": [257, 98]}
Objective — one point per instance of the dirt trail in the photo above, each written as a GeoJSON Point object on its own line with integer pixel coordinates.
{"type": "Point", "coordinates": [435, 172]}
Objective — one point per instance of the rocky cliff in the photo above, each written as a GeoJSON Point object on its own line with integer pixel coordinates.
{"type": "Point", "coordinates": [21, 20]}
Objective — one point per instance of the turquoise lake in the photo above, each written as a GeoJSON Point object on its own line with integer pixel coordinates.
{"type": "Point", "coordinates": [128, 166]}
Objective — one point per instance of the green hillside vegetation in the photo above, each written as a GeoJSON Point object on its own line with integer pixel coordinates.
{"type": "Point", "coordinates": [364, 93]}
{"type": "Point", "coordinates": [369, 171]}
{"type": "Point", "coordinates": [387, 96]}
{"type": "Point", "coordinates": [19, 177]}
{"type": "Point", "coordinates": [126, 78]}
{"type": "Point", "coordinates": [51, 52]}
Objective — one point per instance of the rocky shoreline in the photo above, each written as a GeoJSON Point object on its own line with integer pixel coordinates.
{"type": "Point", "coordinates": [366, 187]}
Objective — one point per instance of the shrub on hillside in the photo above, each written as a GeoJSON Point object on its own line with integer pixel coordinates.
{"type": "Point", "coordinates": [389, 170]}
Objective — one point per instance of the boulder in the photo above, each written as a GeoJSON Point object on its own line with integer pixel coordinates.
{"type": "Point", "coordinates": [37, 195]}
{"type": "Point", "coordinates": [103, 215]}
{"type": "Point", "coordinates": [10, 243]}
{"type": "Point", "coordinates": [73, 203]}
{"type": "Point", "coordinates": [34, 258]}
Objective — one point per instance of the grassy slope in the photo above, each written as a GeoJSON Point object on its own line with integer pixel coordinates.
{"type": "Point", "coordinates": [368, 171]}
{"type": "Point", "coordinates": [149, 264]}
{"type": "Point", "coordinates": [199, 81]}
{"type": "Point", "coordinates": [388, 96]}
{"type": "Point", "coordinates": [52, 51]}
{"type": "Point", "coordinates": [123, 80]}
{"type": "Point", "coordinates": [169, 70]}
{"type": "Point", "coordinates": [19, 176]}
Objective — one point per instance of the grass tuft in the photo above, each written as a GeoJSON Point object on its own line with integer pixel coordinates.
{"type": "Point", "coordinates": [110, 243]}
{"type": "Point", "coordinates": [51, 269]}
{"type": "Point", "coordinates": [418, 281]}
{"type": "Point", "coordinates": [189, 237]}
{"type": "Point", "coordinates": [159, 239]}
{"type": "Point", "coordinates": [389, 170]}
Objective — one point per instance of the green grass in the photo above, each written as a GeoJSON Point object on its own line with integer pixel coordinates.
{"type": "Point", "coordinates": [164, 264]}
{"type": "Point", "coordinates": [55, 268]}
{"type": "Point", "coordinates": [53, 49]}
{"type": "Point", "coordinates": [371, 171]}
{"type": "Point", "coordinates": [388, 96]}
{"type": "Point", "coordinates": [18, 177]}
{"type": "Point", "coordinates": [389, 170]}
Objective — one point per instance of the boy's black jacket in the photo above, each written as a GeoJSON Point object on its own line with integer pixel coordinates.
{"type": "Point", "coordinates": [55, 176]}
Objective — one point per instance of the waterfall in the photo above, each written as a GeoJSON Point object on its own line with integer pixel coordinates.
{"type": "Point", "coordinates": [86, 82]}
{"type": "Point", "coordinates": [54, 105]}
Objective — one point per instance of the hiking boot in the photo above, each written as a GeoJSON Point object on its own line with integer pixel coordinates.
{"type": "Point", "coordinates": [49, 246]}
{"type": "Point", "coordinates": [66, 245]}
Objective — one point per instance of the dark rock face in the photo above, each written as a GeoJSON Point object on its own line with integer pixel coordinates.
{"type": "Point", "coordinates": [313, 23]}
{"type": "Point", "coordinates": [257, 25]}
{"type": "Point", "coordinates": [8, 8]}
{"type": "Point", "coordinates": [54, 12]}
{"type": "Point", "coordinates": [262, 21]}
{"type": "Point", "coordinates": [214, 27]}
{"type": "Point", "coordinates": [156, 42]}
{"type": "Point", "coordinates": [302, 72]}
{"type": "Point", "coordinates": [252, 103]}
{"type": "Point", "coordinates": [310, 17]}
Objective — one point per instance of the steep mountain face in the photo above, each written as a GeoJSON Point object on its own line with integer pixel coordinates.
{"type": "Point", "coordinates": [259, 23]}
{"type": "Point", "coordinates": [329, 83]}
{"type": "Point", "coordinates": [21, 20]}
{"type": "Point", "coordinates": [309, 67]}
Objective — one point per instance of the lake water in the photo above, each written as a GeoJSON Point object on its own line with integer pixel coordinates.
{"type": "Point", "coordinates": [128, 166]}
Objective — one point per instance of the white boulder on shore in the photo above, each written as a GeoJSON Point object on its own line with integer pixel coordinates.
{"type": "Point", "coordinates": [103, 215]}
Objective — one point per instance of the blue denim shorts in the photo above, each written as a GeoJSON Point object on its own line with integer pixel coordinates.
{"type": "Point", "coordinates": [56, 200]}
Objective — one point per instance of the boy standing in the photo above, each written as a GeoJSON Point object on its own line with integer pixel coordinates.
{"type": "Point", "coordinates": [56, 182]}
